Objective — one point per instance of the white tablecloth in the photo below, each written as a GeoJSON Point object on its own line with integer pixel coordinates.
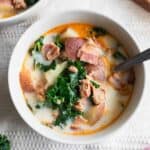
{"type": "Point", "coordinates": [135, 135]}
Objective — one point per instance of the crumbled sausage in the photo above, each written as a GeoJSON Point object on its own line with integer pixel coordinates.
{"type": "Point", "coordinates": [40, 91]}
{"type": "Point", "coordinates": [85, 88]}
{"type": "Point", "coordinates": [79, 106]}
{"type": "Point", "coordinates": [73, 69]}
{"type": "Point", "coordinates": [19, 4]}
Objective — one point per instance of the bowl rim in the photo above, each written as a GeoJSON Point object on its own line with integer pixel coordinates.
{"type": "Point", "coordinates": [23, 14]}
{"type": "Point", "coordinates": [55, 139]}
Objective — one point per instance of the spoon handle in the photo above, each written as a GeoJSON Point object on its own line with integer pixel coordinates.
{"type": "Point", "coordinates": [137, 59]}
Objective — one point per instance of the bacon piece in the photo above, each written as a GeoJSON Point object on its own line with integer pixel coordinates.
{"type": "Point", "coordinates": [50, 51]}
{"type": "Point", "coordinates": [26, 81]}
{"type": "Point", "coordinates": [95, 113]}
{"type": "Point", "coordinates": [19, 4]}
{"type": "Point", "coordinates": [98, 72]}
{"type": "Point", "coordinates": [85, 88]}
{"type": "Point", "coordinates": [73, 69]}
{"type": "Point", "coordinates": [72, 46]}
{"type": "Point", "coordinates": [98, 95]}
{"type": "Point", "coordinates": [89, 52]}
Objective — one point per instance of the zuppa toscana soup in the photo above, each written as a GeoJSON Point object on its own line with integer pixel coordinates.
{"type": "Point", "coordinates": [68, 81]}
{"type": "Point", "coordinates": [9, 8]}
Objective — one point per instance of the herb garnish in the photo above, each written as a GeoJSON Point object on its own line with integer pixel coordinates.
{"type": "Point", "coordinates": [53, 65]}
{"type": "Point", "coordinates": [64, 93]}
{"type": "Point", "coordinates": [98, 31]}
{"type": "Point", "coordinates": [58, 42]}
{"type": "Point", "coordinates": [96, 85]}
{"type": "Point", "coordinates": [119, 55]}
{"type": "Point", "coordinates": [37, 46]}
{"type": "Point", "coordinates": [46, 67]}
{"type": "Point", "coordinates": [4, 143]}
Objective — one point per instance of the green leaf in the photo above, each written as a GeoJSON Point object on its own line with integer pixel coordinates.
{"type": "Point", "coordinates": [47, 67]}
{"type": "Point", "coordinates": [53, 65]}
{"type": "Point", "coordinates": [37, 46]}
{"type": "Point", "coordinates": [58, 42]}
{"type": "Point", "coordinates": [4, 143]}
{"type": "Point", "coordinates": [96, 85]}
{"type": "Point", "coordinates": [65, 91]}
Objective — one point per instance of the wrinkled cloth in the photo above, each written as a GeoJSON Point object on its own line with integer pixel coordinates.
{"type": "Point", "coordinates": [135, 135]}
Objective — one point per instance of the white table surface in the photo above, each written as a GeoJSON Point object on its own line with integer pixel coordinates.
{"type": "Point", "coordinates": [135, 135]}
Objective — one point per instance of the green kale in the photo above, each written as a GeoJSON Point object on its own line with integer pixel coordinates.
{"type": "Point", "coordinates": [31, 2]}
{"type": "Point", "coordinates": [69, 114]}
{"type": "Point", "coordinates": [37, 46]}
{"type": "Point", "coordinates": [58, 42]}
{"type": "Point", "coordinates": [80, 66]}
{"type": "Point", "coordinates": [53, 65]}
{"type": "Point", "coordinates": [64, 93]}
{"type": "Point", "coordinates": [96, 85]}
{"type": "Point", "coordinates": [118, 55]}
{"type": "Point", "coordinates": [4, 143]}
{"type": "Point", "coordinates": [46, 67]}
{"type": "Point", "coordinates": [98, 31]}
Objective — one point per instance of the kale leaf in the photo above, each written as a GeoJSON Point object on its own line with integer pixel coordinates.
{"type": "Point", "coordinates": [4, 143]}
{"type": "Point", "coordinates": [64, 93]}
{"type": "Point", "coordinates": [46, 67]}
{"type": "Point", "coordinates": [58, 41]}
{"type": "Point", "coordinates": [37, 46]}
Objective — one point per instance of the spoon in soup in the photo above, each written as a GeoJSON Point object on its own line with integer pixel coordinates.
{"type": "Point", "coordinates": [137, 59]}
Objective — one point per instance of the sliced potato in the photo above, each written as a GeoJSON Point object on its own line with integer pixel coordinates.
{"type": "Point", "coordinates": [69, 33]}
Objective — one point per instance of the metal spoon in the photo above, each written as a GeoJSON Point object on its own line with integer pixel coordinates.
{"type": "Point", "coordinates": [137, 59]}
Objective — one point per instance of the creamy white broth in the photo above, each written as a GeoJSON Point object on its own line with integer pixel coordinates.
{"type": "Point", "coordinates": [116, 100]}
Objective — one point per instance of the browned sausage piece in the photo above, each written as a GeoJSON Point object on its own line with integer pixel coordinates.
{"type": "Point", "coordinates": [19, 4]}
{"type": "Point", "coordinates": [85, 88]}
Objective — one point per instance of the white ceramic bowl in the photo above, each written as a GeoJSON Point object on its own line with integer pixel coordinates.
{"type": "Point", "coordinates": [34, 10]}
{"type": "Point", "coordinates": [42, 26]}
